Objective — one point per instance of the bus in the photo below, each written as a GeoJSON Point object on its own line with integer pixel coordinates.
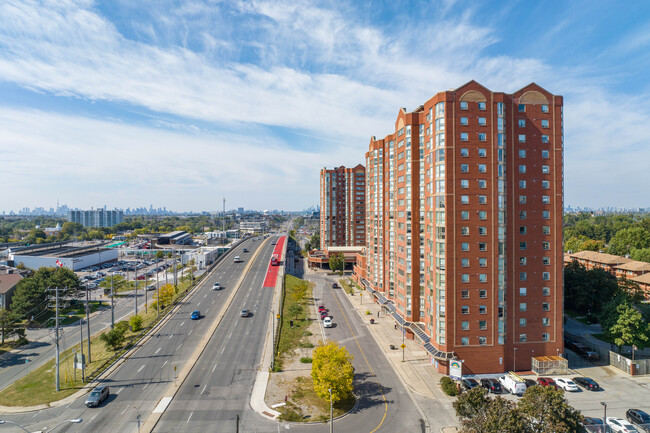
{"type": "Point", "coordinates": [274, 260]}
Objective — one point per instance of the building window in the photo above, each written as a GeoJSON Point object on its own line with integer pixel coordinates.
{"type": "Point", "coordinates": [544, 108]}
{"type": "Point", "coordinates": [464, 278]}
{"type": "Point", "coordinates": [522, 338]}
{"type": "Point", "coordinates": [545, 169]}
{"type": "Point", "coordinates": [522, 246]}
{"type": "Point", "coordinates": [546, 245]}
{"type": "Point", "coordinates": [522, 199]}
{"type": "Point", "coordinates": [522, 322]}
{"type": "Point", "coordinates": [546, 321]}
{"type": "Point", "coordinates": [482, 262]}
{"type": "Point", "coordinates": [546, 276]}
{"type": "Point", "coordinates": [464, 246]}
{"type": "Point", "coordinates": [464, 199]}
{"type": "Point", "coordinates": [522, 168]}
{"type": "Point", "coordinates": [482, 325]}
{"type": "Point", "coordinates": [546, 184]}
{"type": "Point", "coordinates": [464, 168]}
{"type": "Point", "coordinates": [464, 136]}
{"type": "Point", "coordinates": [522, 230]}
{"type": "Point", "coordinates": [546, 230]}
{"type": "Point", "coordinates": [464, 215]}
{"type": "Point", "coordinates": [546, 291]}
{"type": "Point", "coordinates": [464, 325]}
{"type": "Point", "coordinates": [521, 123]}
{"type": "Point", "coordinates": [482, 230]}
{"type": "Point", "coordinates": [464, 263]}
{"type": "Point", "coordinates": [546, 214]}
{"type": "Point", "coordinates": [481, 106]}
{"type": "Point", "coordinates": [523, 306]}
{"type": "Point", "coordinates": [482, 136]}
{"type": "Point", "coordinates": [522, 153]}
{"type": "Point", "coordinates": [464, 152]}
{"type": "Point", "coordinates": [482, 183]}
{"type": "Point", "coordinates": [546, 306]}
{"type": "Point", "coordinates": [482, 215]}
{"type": "Point", "coordinates": [464, 294]}
{"type": "Point", "coordinates": [523, 276]}
{"type": "Point", "coordinates": [482, 309]}
{"type": "Point", "coordinates": [522, 261]}
{"type": "Point", "coordinates": [464, 309]}
{"type": "Point", "coordinates": [482, 199]}
{"type": "Point", "coordinates": [464, 341]}
{"type": "Point", "coordinates": [482, 153]}
{"type": "Point", "coordinates": [482, 278]}
{"type": "Point", "coordinates": [545, 199]}
{"type": "Point", "coordinates": [544, 138]}
{"type": "Point", "coordinates": [522, 214]}
{"type": "Point", "coordinates": [522, 291]}
{"type": "Point", "coordinates": [464, 231]}
{"type": "Point", "coordinates": [522, 108]}
{"type": "Point", "coordinates": [464, 121]}
{"type": "Point", "coordinates": [482, 341]}
{"type": "Point", "coordinates": [481, 121]}
{"type": "Point", "coordinates": [546, 261]}
{"type": "Point", "coordinates": [482, 294]}
{"type": "Point", "coordinates": [545, 154]}
{"type": "Point", "coordinates": [545, 336]}
{"type": "Point", "coordinates": [522, 138]}
{"type": "Point", "coordinates": [482, 246]}
{"type": "Point", "coordinates": [544, 123]}
{"type": "Point", "coordinates": [463, 105]}
{"type": "Point", "coordinates": [482, 168]}
{"type": "Point", "coordinates": [522, 184]}
{"type": "Point", "coordinates": [464, 183]}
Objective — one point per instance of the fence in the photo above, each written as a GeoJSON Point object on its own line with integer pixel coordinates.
{"type": "Point", "coordinates": [603, 352]}
{"type": "Point", "coordinates": [638, 367]}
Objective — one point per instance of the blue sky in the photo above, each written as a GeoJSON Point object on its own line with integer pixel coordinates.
{"type": "Point", "coordinates": [179, 103]}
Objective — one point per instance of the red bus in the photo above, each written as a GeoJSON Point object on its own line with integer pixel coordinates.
{"type": "Point", "coordinates": [274, 260]}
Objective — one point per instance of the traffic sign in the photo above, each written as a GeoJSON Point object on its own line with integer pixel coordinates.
{"type": "Point", "coordinates": [403, 346]}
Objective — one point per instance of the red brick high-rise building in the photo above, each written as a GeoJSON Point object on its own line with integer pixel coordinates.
{"type": "Point", "coordinates": [464, 225]}
{"type": "Point", "coordinates": [342, 207]}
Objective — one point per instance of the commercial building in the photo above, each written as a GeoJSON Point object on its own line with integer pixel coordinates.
{"type": "Point", "coordinates": [175, 238]}
{"type": "Point", "coordinates": [254, 227]}
{"type": "Point", "coordinates": [342, 207]}
{"type": "Point", "coordinates": [67, 254]}
{"type": "Point", "coordinates": [464, 226]}
{"type": "Point", "coordinates": [96, 218]}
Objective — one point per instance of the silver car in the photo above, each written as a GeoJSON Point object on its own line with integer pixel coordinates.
{"type": "Point", "coordinates": [97, 395]}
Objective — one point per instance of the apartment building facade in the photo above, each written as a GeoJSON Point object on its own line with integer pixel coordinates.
{"type": "Point", "coordinates": [464, 225]}
{"type": "Point", "coordinates": [342, 207]}
{"type": "Point", "coordinates": [96, 218]}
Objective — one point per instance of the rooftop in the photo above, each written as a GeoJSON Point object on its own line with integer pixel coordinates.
{"type": "Point", "coordinates": [606, 259]}
{"type": "Point", "coordinates": [7, 281]}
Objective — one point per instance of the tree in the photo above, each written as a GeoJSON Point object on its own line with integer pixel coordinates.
{"type": "Point", "coordinates": [332, 369]}
{"type": "Point", "coordinates": [159, 254]}
{"type": "Point", "coordinates": [295, 310]}
{"type": "Point", "coordinates": [337, 262]}
{"type": "Point", "coordinates": [292, 233]}
{"type": "Point", "coordinates": [299, 291]}
{"type": "Point", "coordinates": [480, 414]}
{"type": "Point", "coordinates": [7, 324]}
{"type": "Point", "coordinates": [136, 323]}
{"type": "Point", "coordinates": [30, 297]}
{"type": "Point", "coordinates": [113, 339]}
{"type": "Point", "coordinates": [627, 239]}
{"type": "Point", "coordinates": [164, 295]}
{"type": "Point", "coordinates": [630, 328]}
{"type": "Point", "coordinates": [549, 411]}
{"type": "Point", "coordinates": [640, 254]}
{"type": "Point", "coordinates": [586, 290]}
{"type": "Point", "coordinates": [117, 281]}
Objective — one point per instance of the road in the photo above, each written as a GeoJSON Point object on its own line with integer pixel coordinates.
{"type": "Point", "coordinates": [137, 384]}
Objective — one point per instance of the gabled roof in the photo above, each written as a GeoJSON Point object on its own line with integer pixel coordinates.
{"type": "Point", "coordinates": [603, 258]}
{"type": "Point", "coordinates": [634, 266]}
{"type": "Point", "coordinates": [9, 281]}
{"type": "Point", "coordinates": [642, 279]}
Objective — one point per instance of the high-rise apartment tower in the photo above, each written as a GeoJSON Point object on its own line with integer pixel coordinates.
{"type": "Point", "coordinates": [342, 207]}
{"type": "Point", "coordinates": [464, 225]}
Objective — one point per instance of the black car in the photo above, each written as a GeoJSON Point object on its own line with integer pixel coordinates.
{"type": "Point", "coordinates": [469, 384]}
{"type": "Point", "coordinates": [529, 383]}
{"type": "Point", "coordinates": [586, 352]}
{"type": "Point", "coordinates": [587, 383]}
{"type": "Point", "coordinates": [640, 418]}
{"type": "Point", "coordinates": [492, 385]}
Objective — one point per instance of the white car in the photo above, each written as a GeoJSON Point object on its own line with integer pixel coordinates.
{"type": "Point", "coordinates": [216, 286]}
{"type": "Point", "coordinates": [327, 322]}
{"type": "Point", "coordinates": [566, 384]}
{"type": "Point", "coordinates": [620, 425]}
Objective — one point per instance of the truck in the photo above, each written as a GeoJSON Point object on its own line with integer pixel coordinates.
{"type": "Point", "coordinates": [513, 383]}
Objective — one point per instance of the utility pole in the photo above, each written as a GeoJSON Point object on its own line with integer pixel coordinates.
{"type": "Point", "coordinates": [112, 304]}
{"type": "Point", "coordinates": [135, 298]}
{"type": "Point", "coordinates": [331, 413]}
{"type": "Point", "coordinates": [56, 336]}
{"type": "Point", "coordinates": [146, 288]}
{"type": "Point", "coordinates": [81, 348]}
{"type": "Point", "coordinates": [223, 221]}
{"type": "Point", "coordinates": [158, 292]}
{"type": "Point", "coordinates": [88, 323]}
{"type": "Point", "coordinates": [175, 276]}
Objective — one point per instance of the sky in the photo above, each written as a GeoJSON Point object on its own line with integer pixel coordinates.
{"type": "Point", "coordinates": [178, 104]}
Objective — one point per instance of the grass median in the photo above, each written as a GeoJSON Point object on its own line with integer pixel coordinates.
{"type": "Point", "coordinates": [38, 386]}
{"type": "Point", "coordinates": [295, 310]}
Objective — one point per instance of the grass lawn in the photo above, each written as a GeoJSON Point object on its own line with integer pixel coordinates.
{"type": "Point", "coordinates": [38, 387]}
{"type": "Point", "coordinates": [291, 337]}
{"type": "Point", "coordinates": [346, 286]}
{"type": "Point", "coordinates": [312, 407]}
{"type": "Point", "coordinates": [9, 345]}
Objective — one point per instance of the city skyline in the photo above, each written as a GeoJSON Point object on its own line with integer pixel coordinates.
{"type": "Point", "coordinates": [120, 103]}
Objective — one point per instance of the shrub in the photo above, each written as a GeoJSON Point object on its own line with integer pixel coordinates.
{"type": "Point", "coordinates": [136, 323]}
{"type": "Point", "coordinates": [306, 360]}
{"type": "Point", "coordinates": [307, 333]}
{"type": "Point", "coordinates": [290, 415]}
{"type": "Point", "coordinates": [306, 345]}
{"type": "Point", "coordinates": [448, 386]}
{"type": "Point", "coordinates": [122, 326]}
{"type": "Point", "coordinates": [367, 312]}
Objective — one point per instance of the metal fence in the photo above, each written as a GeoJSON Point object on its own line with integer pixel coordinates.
{"type": "Point", "coordinates": [603, 352]}
{"type": "Point", "coordinates": [638, 367]}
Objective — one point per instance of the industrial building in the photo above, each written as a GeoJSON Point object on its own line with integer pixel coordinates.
{"type": "Point", "coordinates": [175, 238]}
{"type": "Point", "coordinates": [71, 255]}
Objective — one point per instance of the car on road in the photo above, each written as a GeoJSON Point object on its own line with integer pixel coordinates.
{"type": "Point", "coordinates": [97, 395]}
{"type": "Point", "coordinates": [620, 425]}
{"type": "Point", "coordinates": [587, 383]}
{"type": "Point", "coordinates": [323, 315]}
{"type": "Point", "coordinates": [640, 418]}
{"type": "Point", "coordinates": [321, 308]}
{"type": "Point", "coordinates": [216, 286]}
{"type": "Point", "coordinates": [492, 385]}
{"type": "Point", "coordinates": [196, 315]}
{"type": "Point", "coordinates": [151, 287]}
{"type": "Point", "coordinates": [468, 384]}
{"type": "Point", "coordinates": [245, 313]}
{"type": "Point", "coordinates": [327, 322]}
{"type": "Point", "coordinates": [245, 250]}
{"type": "Point", "coordinates": [566, 384]}
{"type": "Point", "coordinates": [546, 381]}
{"type": "Point", "coordinates": [334, 286]}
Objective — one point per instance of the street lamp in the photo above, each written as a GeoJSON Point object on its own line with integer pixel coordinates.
{"type": "Point", "coordinates": [604, 415]}
{"type": "Point", "coordinates": [514, 359]}
{"type": "Point", "coordinates": [74, 421]}
{"type": "Point", "coordinates": [2, 421]}
{"type": "Point", "coordinates": [331, 413]}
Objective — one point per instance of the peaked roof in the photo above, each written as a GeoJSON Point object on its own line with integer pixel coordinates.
{"type": "Point", "coordinates": [9, 281]}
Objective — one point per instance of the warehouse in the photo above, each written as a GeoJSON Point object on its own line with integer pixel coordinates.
{"type": "Point", "coordinates": [72, 255]}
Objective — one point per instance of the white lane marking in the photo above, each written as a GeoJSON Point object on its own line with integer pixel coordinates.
{"type": "Point", "coordinates": [144, 387]}
{"type": "Point", "coordinates": [124, 410]}
{"type": "Point", "coordinates": [188, 334]}
{"type": "Point", "coordinates": [198, 304]}
{"type": "Point", "coordinates": [91, 419]}
{"type": "Point", "coordinates": [214, 368]}
{"type": "Point", "coordinates": [190, 417]}
{"type": "Point", "coordinates": [205, 296]}
{"type": "Point", "coordinates": [179, 346]}
{"type": "Point", "coordinates": [163, 364]}
{"type": "Point", "coordinates": [213, 301]}
{"type": "Point", "coordinates": [229, 335]}
{"type": "Point", "coordinates": [157, 351]}
{"type": "Point", "coordinates": [164, 402]}
{"type": "Point", "coordinates": [140, 369]}
{"type": "Point", "coordinates": [119, 390]}
{"type": "Point", "coordinates": [222, 349]}
{"type": "Point", "coordinates": [171, 335]}
{"type": "Point", "coordinates": [182, 323]}
{"type": "Point", "coordinates": [204, 387]}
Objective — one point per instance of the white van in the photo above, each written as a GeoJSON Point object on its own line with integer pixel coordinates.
{"type": "Point", "coordinates": [512, 383]}
{"type": "Point", "coordinates": [237, 259]}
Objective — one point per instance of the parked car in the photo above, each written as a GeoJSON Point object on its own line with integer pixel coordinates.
{"type": "Point", "coordinates": [468, 384]}
{"type": "Point", "coordinates": [593, 425]}
{"type": "Point", "coordinates": [546, 381]}
{"type": "Point", "coordinates": [245, 313]}
{"type": "Point", "coordinates": [321, 308]}
{"type": "Point", "coordinates": [640, 418]}
{"type": "Point", "coordinates": [587, 383]}
{"type": "Point", "coordinates": [586, 352]}
{"type": "Point", "coordinates": [334, 285]}
{"type": "Point", "coordinates": [492, 385]}
{"type": "Point", "coordinates": [323, 315]}
{"type": "Point", "coordinates": [620, 425]}
{"type": "Point", "coordinates": [566, 384]}
{"type": "Point", "coordinates": [529, 383]}
{"type": "Point", "coordinates": [196, 315]}
{"type": "Point", "coordinates": [327, 322]}
{"type": "Point", "coordinates": [97, 395]}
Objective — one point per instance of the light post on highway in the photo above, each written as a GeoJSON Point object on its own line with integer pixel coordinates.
{"type": "Point", "coordinates": [331, 413]}
{"type": "Point", "coordinates": [74, 421]}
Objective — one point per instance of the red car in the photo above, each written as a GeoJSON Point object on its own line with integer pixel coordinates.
{"type": "Point", "coordinates": [546, 381]}
{"type": "Point", "coordinates": [321, 308]}
{"type": "Point", "coordinates": [323, 314]}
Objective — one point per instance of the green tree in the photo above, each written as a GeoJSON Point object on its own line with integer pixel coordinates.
{"type": "Point", "coordinates": [480, 414]}
{"type": "Point", "coordinates": [159, 254]}
{"type": "Point", "coordinates": [164, 295]}
{"type": "Point", "coordinates": [136, 323]}
{"type": "Point", "coordinates": [630, 328]}
{"type": "Point", "coordinates": [627, 239]}
{"type": "Point", "coordinates": [332, 369]}
{"type": "Point", "coordinates": [586, 290]}
{"type": "Point", "coordinates": [337, 262]}
{"type": "Point", "coordinates": [548, 411]}
{"type": "Point", "coordinates": [72, 229]}
{"type": "Point", "coordinates": [640, 254]}
{"type": "Point", "coordinates": [299, 292]}
{"type": "Point", "coordinates": [7, 324]}
{"type": "Point", "coordinates": [113, 339]}
{"type": "Point", "coordinates": [295, 310]}
{"type": "Point", "coordinates": [118, 282]}
{"type": "Point", "coordinates": [30, 297]}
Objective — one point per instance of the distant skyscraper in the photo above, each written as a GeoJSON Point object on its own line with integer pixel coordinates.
{"type": "Point", "coordinates": [464, 226]}
{"type": "Point", "coordinates": [343, 206]}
